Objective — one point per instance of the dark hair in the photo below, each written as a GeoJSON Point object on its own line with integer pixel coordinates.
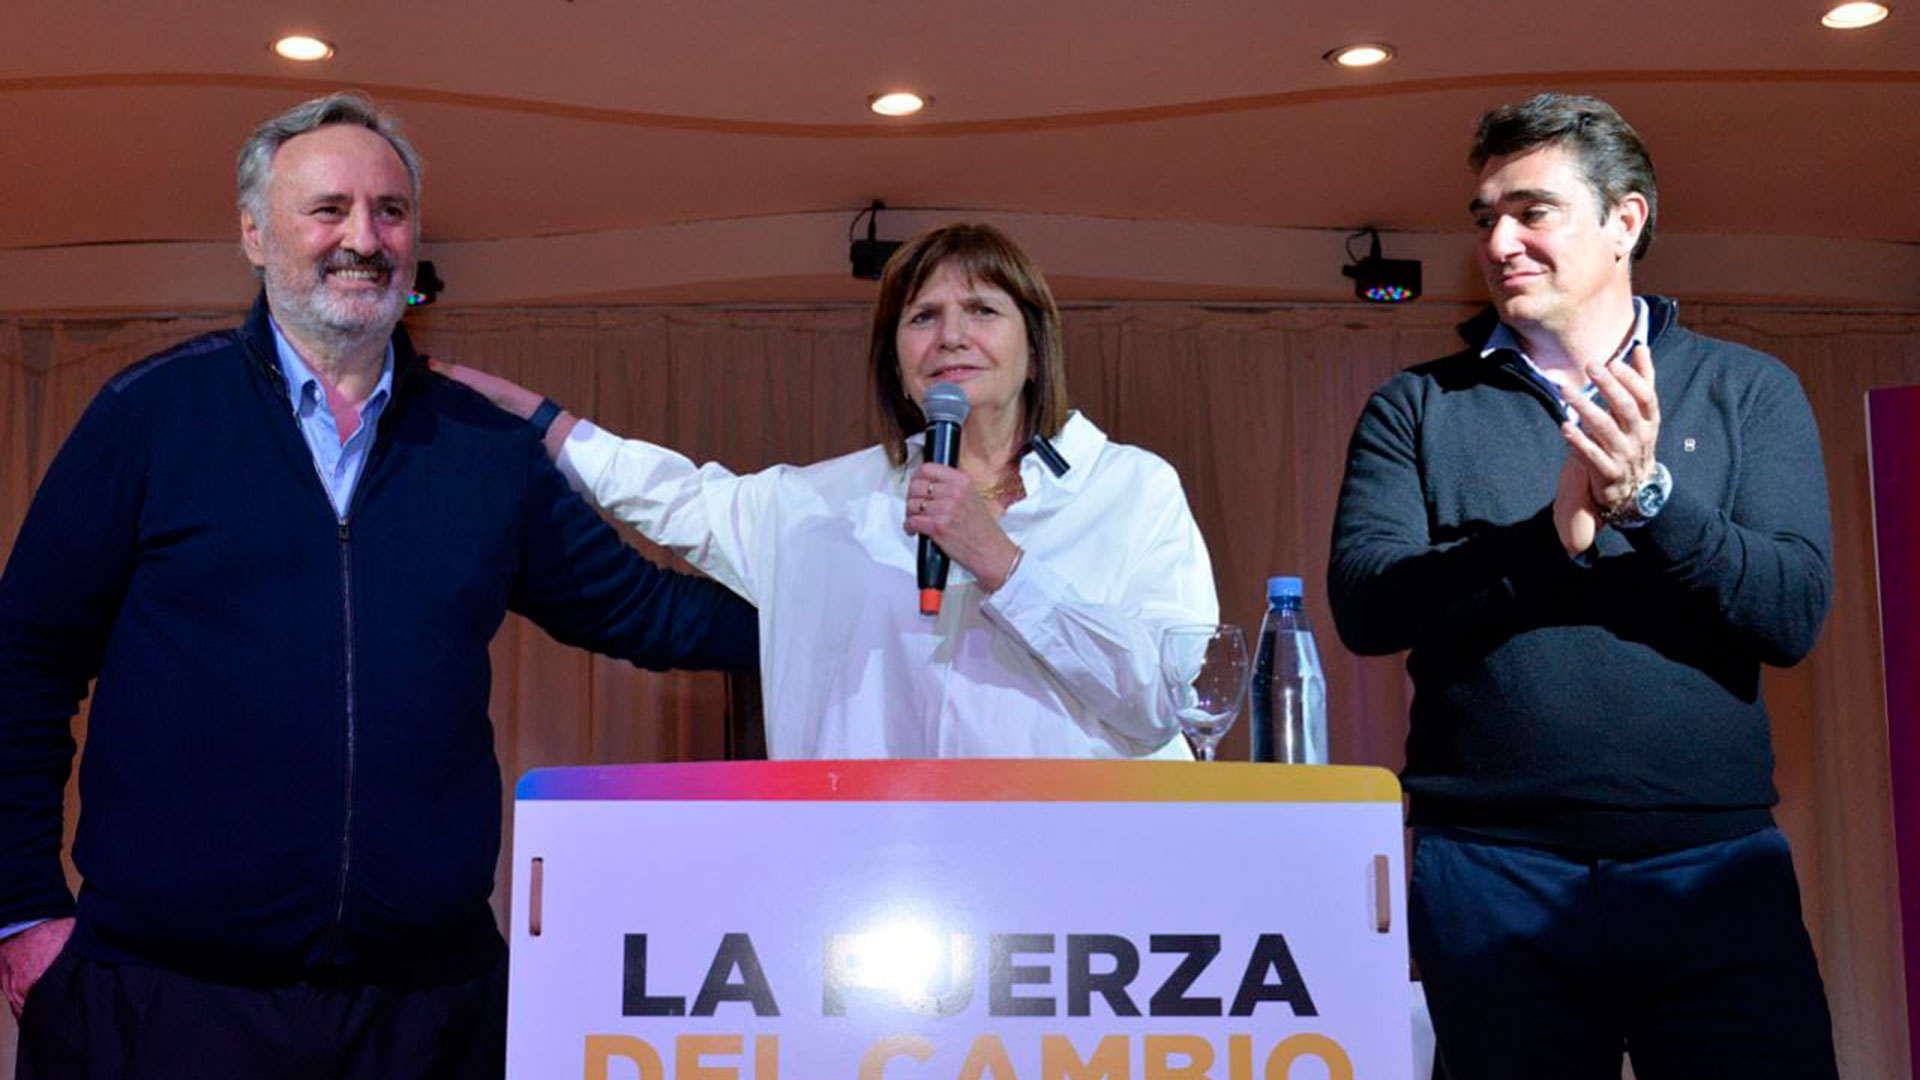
{"type": "Point", "coordinates": [985, 254]}
{"type": "Point", "coordinates": [254, 168]}
{"type": "Point", "coordinates": [1611, 155]}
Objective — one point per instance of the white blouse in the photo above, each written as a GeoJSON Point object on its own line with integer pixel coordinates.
{"type": "Point", "coordinates": [1061, 661]}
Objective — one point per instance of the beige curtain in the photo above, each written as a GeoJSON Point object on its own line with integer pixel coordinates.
{"type": "Point", "coordinates": [1829, 713]}
{"type": "Point", "coordinates": [1253, 407]}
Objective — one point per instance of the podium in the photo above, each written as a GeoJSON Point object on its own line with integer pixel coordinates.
{"type": "Point", "coordinates": [959, 920]}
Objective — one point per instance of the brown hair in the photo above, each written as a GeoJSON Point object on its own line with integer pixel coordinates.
{"type": "Point", "coordinates": [1610, 152]}
{"type": "Point", "coordinates": [985, 254]}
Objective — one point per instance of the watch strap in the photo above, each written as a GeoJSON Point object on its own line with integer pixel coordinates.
{"type": "Point", "coordinates": [1644, 504]}
{"type": "Point", "coordinates": [544, 415]}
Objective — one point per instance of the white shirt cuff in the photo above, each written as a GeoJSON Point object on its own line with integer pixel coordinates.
{"type": "Point", "coordinates": [585, 454]}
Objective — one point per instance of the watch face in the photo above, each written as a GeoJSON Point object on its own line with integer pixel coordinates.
{"type": "Point", "coordinates": [1649, 499]}
{"type": "Point", "coordinates": [1652, 494]}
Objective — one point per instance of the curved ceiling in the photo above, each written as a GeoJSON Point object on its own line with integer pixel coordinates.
{"type": "Point", "coordinates": [640, 136]}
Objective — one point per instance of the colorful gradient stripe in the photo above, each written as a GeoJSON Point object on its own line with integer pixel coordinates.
{"type": "Point", "coordinates": [974, 780]}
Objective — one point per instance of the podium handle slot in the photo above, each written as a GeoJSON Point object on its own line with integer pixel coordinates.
{"type": "Point", "coordinates": [1382, 895]}
{"type": "Point", "coordinates": [536, 881]}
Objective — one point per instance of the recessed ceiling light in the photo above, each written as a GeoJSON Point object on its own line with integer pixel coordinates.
{"type": "Point", "coordinates": [1853, 16]}
{"type": "Point", "coordinates": [898, 103]}
{"type": "Point", "coordinates": [1364, 54]}
{"type": "Point", "coordinates": [302, 48]}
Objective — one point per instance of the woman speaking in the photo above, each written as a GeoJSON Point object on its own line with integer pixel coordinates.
{"type": "Point", "coordinates": [1070, 553]}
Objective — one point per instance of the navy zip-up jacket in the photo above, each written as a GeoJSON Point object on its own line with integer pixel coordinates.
{"type": "Point", "coordinates": [289, 761]}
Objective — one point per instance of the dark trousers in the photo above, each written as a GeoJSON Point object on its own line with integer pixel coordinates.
{"type": "Point", "coordinates": [1695, 962]}
{"type": "Point", "coordinates": [87, 1020]}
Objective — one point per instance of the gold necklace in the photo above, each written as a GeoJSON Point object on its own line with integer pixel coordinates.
{"type": "Point", "coordinates": [996, 492]}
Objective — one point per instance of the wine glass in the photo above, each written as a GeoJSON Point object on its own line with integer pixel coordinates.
{"type": "Point", "coordinates": [1204, 670]}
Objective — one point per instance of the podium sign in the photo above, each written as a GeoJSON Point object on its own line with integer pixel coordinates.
{"type": "Point", "coordinates": [959, 920]}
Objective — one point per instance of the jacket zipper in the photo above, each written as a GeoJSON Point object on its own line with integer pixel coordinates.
{"type": "Point", "coordinates": [344, 532]}
{"type": "Point", "coordinates": [346, 821]}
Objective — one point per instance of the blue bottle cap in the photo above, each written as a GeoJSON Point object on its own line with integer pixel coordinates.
{"type": "Point", "coordinates": [1283, 587]}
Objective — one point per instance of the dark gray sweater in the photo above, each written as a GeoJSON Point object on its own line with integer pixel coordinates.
{"type": "Point", "coordinates": [1609, 705]}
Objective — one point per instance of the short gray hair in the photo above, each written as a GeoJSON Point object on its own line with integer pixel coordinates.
{"type": "Point", "coordinates": [255, 166]}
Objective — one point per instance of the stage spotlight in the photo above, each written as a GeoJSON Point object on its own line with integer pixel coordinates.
{"type": "Point", "coordinates": [869, 256]}
{"type": "Point", "coordinates": [426, 285]}
{"type": "Point", "coordinates": [1364, 55]}
{"type": "Point", "coordinates": [898, 103]}
{"type": "Point", "coordinates": [1381, 281]}
{"type": "Point", "coordinates": [1853, 16]}
{"type": "Point", "coordinates": [302, 48]}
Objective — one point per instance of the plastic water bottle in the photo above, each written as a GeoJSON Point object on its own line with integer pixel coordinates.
{"type": "Point", "coordinates": [1289, 691]}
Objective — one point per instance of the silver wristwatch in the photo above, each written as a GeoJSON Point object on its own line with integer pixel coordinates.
{"type": "Point", "coordinates": [1645, 502]}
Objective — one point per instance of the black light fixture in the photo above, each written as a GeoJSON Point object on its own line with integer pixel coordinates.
{"type": "Point", "coordinates": [1381, 281]}
{"type": "Point", "coordinates": [869, 256]}
{"type": "Point", "coordinates": [426, 285]}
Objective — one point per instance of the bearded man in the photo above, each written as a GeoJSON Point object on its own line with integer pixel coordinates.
{"type": "Point", "coordinates": [282, 550]}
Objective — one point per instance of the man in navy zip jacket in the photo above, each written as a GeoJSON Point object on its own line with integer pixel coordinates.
{"type": "Point", "coordinates": [282, 550]}
{"type": "Point", "coordinates": [1589, 565]}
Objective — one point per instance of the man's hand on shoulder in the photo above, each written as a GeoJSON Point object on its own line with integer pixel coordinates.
{"type": "Point", "coordinates": [25, 957]}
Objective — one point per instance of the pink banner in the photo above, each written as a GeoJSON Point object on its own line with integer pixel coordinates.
{"type": "Point", "coordinates": [1893, 439]}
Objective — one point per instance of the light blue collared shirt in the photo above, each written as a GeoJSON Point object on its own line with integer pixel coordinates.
{"type": "Point", "coordinates": [20, 927]}
{"type": "Point", "coordinates": [1505, 337]}
{"type": "Point", "coordinates": [339, 465]}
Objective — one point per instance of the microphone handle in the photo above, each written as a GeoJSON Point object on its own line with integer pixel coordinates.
{"type": "Point", "coordinates": [943, 448]}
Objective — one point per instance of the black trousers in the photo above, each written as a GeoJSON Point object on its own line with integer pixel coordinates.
{"type": "Point", "coordinates": [87, 1020]}
{"type": "Point", "coordinates": [1695, 963]}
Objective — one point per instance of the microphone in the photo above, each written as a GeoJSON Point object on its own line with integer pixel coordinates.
{"type": "Point", "coordinates": [946, 409]}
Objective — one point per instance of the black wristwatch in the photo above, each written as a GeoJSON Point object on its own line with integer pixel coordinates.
{"type": "Point", "coordinates": [544, 415]}
{"type": "Point", "coordinates": [1645, 503]}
